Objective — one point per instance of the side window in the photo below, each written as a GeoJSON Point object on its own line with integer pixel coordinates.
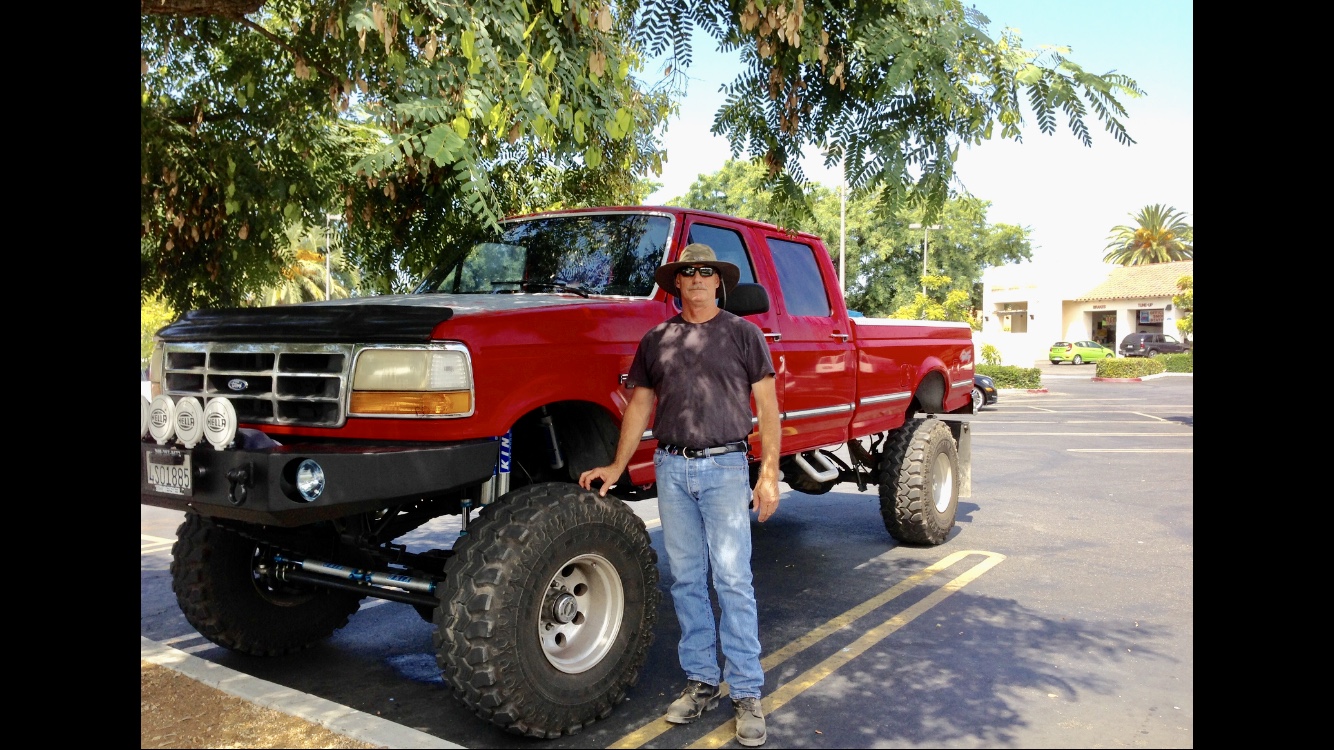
{"type": "Point", "coordinates": [727, 245]}
{"type": "Point", "coordinates": [799, 277]}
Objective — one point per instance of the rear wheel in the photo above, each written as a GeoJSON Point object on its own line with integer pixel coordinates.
{"type": "Point", "coordinates": [549, 609]}
{"type": "Point", "coordinates": [1153, 352]}
{"type": "Point", "coordinates": [1056, 361]}
{"type": "Point", "coordinates": [919, 488]}
{"type": "Point", "coordinates": [1078, 360]}
{"type": "Point", "coordinates": [224, 584]}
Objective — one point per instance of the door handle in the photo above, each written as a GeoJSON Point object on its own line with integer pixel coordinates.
{"type": "Point", "coordinates": [774, 336]}
{"type": "Point", "coordinates": [843, 336]}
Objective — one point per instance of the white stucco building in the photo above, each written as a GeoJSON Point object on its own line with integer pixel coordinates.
{"type": "Point", "coordinates": [1025, 309]}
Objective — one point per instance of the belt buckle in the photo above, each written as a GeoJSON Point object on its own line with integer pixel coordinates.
{"type": "Point", "coordinates": [693, 452]}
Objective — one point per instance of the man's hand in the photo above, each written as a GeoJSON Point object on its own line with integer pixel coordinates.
{"type": "Point", "coordinates": [608, 474]}
{"type": "Point", "coordinates": [764, 499]}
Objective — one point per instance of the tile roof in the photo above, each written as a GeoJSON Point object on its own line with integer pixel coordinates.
{"type": "Point", "coordinates": [1148, 280]}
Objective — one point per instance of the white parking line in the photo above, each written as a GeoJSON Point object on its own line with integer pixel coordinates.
{"type": "Point", "coordinates": [1129, 450]}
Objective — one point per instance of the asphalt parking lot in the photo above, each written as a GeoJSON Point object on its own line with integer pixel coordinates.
{"type": "Point", "coordinates": [1058, 613]}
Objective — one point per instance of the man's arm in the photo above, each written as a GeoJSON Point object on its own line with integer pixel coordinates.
{"type": "Point", "coordinates": [633, 422]}
{"type": "Point", "coordinates": [766, 487]}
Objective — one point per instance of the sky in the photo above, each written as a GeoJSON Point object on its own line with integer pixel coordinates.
{"type": "Point", "coordinates": [1068, 195]}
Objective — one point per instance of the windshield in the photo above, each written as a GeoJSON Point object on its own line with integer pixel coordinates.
{"type": "Point", "coordinates": [611, 254]}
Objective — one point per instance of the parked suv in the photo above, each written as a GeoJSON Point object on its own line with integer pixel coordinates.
{"type": "Point", "coordinates": [1149, 344]}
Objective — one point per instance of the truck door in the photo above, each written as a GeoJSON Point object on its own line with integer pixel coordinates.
{"type": "Point", "coordinates": [728, 245]}
{"type": "Point", "coordinates": [818, 368]}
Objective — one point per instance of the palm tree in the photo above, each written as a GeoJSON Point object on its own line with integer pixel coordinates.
{"type": "Point", "coordinates": [1162, 236]}
{"type": "Point", "coordinates": [303, 274]}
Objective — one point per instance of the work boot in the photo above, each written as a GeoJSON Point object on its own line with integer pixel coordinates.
{"type": "Point", "coordinates": [697, 698]}
{"type": "Point", "coordinates": [749, 722]}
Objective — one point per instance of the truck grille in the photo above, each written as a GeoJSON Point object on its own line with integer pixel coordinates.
{"type": "Point", "coordinates": [286, 384]}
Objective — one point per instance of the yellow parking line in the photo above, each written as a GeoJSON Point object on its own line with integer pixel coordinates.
{"type": "Point", "coordinates": [784, 694]}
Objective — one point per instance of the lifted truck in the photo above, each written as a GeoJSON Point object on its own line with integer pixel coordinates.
{"type": "Point", "coordinates": [302, 441]}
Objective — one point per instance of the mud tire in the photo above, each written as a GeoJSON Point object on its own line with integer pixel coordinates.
{"type": "Point", "coordinates": [919, 482]}
{"type": "Point", "coordinates": [213, 574]}
{"type": "Point", "coordinates": [490, 625]}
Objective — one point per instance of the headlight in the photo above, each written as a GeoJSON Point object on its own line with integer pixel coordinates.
{"type": "Point", "coordinates": [155, 362]}
{"type": "Point", "coordinates": [433, 381]}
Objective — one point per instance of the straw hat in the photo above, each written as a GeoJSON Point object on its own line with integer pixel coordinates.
{"type": "Point", "coordinates": [697, 254]}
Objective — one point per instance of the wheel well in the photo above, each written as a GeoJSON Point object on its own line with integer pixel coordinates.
{"type": "Point", "coordinates": [585, 435]}
{"type": "Point", "coordinates": [930, 396]}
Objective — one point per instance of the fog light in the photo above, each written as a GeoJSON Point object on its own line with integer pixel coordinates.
{"type": "Point", "coordinates": [309, 480]}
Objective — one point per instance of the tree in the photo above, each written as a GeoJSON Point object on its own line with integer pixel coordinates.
{"type": "Point", "coordinates": [939, 302]}
{"type": "Point", "coordinates": [1185, 304]}
{"type": "Point", "coordinates": [418, 126]}
{"type": "Point", "coordinates": [154, 313]}
{"type": "Point", "coordinates": [883, 267]}
{"type": "Point", "coordinates": [307, 271]}
{"type": "Point", "coordinates": [422, 123]}
{"type": "Point", "coordinates": [1161, 235]}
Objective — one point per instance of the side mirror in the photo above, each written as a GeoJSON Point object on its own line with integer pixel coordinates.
{"type": "Point", "coordinates": [747, 299]}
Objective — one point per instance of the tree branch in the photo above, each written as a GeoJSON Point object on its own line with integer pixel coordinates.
{"type": "Point", "coordinates": [295, 52]}
{"type": "Point", "coordinates": [187, 8]}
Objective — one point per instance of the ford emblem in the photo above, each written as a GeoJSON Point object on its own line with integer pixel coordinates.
{"type": "Point", "coordinates": [237, 384]}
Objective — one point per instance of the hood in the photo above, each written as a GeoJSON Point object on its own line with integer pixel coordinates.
{"type": "Point", "coordinates": [395, 318]}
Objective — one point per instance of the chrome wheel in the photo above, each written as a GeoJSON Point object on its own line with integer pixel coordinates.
{"type": "Point", "coordinates": [942, 483]}
{"type": "Point", "coordinates": [581, 614]}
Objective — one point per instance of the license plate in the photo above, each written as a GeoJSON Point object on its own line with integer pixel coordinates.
{"type": "Point", "coordinates": [169, 471]}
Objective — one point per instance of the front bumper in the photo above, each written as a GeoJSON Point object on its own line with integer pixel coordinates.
{"type": "Point", "coordinates": [255, 485]}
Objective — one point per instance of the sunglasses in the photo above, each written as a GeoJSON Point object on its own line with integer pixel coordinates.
{"type": "Point", "coordinates": [705, 271]}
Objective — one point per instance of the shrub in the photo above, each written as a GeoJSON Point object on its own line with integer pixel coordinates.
{"type": "Point", "coordinates": [1177, 362]}
{"type": "Point", "coordinates": [1009, 376]}
{"type": "Point", "coordinates": [1131, 367]}
{"type": "Point", "coordinates": [990, 354]}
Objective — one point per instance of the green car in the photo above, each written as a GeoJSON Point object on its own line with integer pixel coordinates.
{"type": "Point", "coordinates": [1078, 352]}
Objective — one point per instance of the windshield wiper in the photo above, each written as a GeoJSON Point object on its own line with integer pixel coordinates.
{"type": "Point", "coordinates": [557, 286]}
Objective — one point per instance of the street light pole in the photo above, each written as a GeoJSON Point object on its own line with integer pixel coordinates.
{"type": "Point", "coordinates": [842, 235]}
{"type": "Point", "coordinates": [926, 241]}
{"type": "Point", "coordinates": [328, 267]}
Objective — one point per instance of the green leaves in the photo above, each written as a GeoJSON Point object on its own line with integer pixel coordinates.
{"type": "Point", "coordinates": [422, 121]}
{"type": "Point", "coordinates": [443, 143]}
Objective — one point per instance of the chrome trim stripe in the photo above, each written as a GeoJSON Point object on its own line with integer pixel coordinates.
{"type": "Point", "coordinates": [962, 384]}
{"type": "Point", "coordinates": [802, 414]}
{"type": "Point", "coordinates": [869, 400]}
{"type": "Point", "coordinates": [823, 410]}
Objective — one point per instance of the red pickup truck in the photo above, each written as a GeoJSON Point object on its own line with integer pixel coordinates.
{"type": "Point", "coordinates": [303, 441]}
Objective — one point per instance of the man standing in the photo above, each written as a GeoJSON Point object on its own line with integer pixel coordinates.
{"type": "Point", "coordinates": [702, 367]}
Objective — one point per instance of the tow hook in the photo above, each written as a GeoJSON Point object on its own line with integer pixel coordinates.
{"type": "Point", "coordinates": [238, 484]}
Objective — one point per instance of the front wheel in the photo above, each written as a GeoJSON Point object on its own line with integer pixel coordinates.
{"type": "Point", "coordinates": [919, 488]}
{"type": "Point", "coordinates": [548, 610]}
{"type": "Point", "coordinates": [226, 587]}
{"type": "Point", "coordinates": [979, 399]}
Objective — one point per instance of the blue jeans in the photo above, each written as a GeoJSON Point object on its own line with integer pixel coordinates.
{"type": "Point", "coordinates": [704, 504]}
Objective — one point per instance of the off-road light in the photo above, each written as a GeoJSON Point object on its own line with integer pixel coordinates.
{"type": "Point", "coordinates": [219, 422]}
{"type": "Point", "coordinates": [162, 418]}
{"type": "Point", "coordinates": [144, 409]}
{"type": "Point", "coordinates": [309, 480]}
{"type": "Point", "coordinates": [189, 421]}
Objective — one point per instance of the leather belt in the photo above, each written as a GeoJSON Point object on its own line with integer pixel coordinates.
{"type": "Point", "coordinates": [681, 450]}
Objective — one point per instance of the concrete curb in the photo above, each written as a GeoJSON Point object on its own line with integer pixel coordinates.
{"type": "Point", "coordinates": [1096, 379]}
{"type": "Point", "coordinates": [348, 722]}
